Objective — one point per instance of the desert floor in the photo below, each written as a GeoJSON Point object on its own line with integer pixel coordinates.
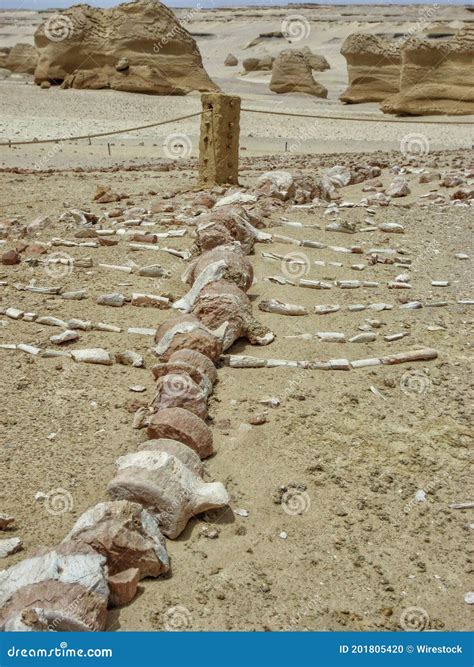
{"type": "Point", "coordinates": [362, 551]}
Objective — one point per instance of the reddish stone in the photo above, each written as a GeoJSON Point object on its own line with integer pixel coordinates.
{"type": "Point", "coordinates": [184, 426]}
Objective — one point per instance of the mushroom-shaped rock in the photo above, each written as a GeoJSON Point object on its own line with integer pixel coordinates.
{"type": "Point", "coordinates": [178, 390]}
{"type": "Point", "coordinates": [291, 73]}
{"type": "Point", "coordinates": [186, 331]}
{"type": "Point", "coordinates": [161, 482]}
{"type": "Point", "coordinates": [182, 425]}
{"type": "Point", "coordinates": [182, 452]}
{"type": "Point", "coordinates": [316, 62]}
{"type": "Point", "coordinates": [126, 534]}
{"type": "Point", "coordinates": [65, 589]}
{"type": "Point", "coordinates": [373, 68]}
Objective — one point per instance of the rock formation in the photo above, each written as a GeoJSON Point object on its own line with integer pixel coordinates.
{"type": "Point", "coordinates": [437, 77]}
{"type": "Point", "coordinates": [316, 62]}
{"type": "Point", "coordinates": [258, 64]}
{"type": "Point", "coordinates": [291, 73]}
{"type": "Point", "coordinates": [136, 47]}
{"type": "Point", "coordinates": [231, 61]}
{"type": "Point", "coordinates": [373, 68]}
{"type": "Point", "coordinates": [22, 59]}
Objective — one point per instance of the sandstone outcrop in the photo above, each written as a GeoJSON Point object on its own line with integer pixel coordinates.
{"type": "Point", "coordinates": [22, 59]}
{"type": "Point", "coordinates": [437, 77]}
{"type": "Point", "coordinates": [315, 61]}
{"type": "Point", "coordinates": [137, 47]}
{"type": "Point", "coordinates": [291, 73]}
{"type": "Point", "coordinates": [231, 61]}
{"type": "Point", "coordinates": [258, 64]}
{"type": "Point", "coordinates": [373, 68]}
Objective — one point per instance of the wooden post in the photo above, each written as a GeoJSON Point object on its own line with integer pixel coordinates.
{"type": "Point", "coordinates": [219, 140]}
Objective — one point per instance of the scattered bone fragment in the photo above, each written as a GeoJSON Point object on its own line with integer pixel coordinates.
{"type": "Point", "coordinates": [367, 337]}
{"type": "Point", "coordinates": [325, 309]}
{"type": "Point", "coordinates": [130, 358]}
{"type": "Point", "coordinates": [281, 308]}
{"type": "Point", "coordinates": [10, 546]}
{"type": "Point", "coordinates": [14, 313]}
{"type": "Point", "coordinates": [95, 355]}
{"type": "Point", "coordinates": [397, 336]}
{"type": "Point", "coordinates": [365, 363]}
{"type": "Point", "coordinates": [52, 322]}
{"type": "Point", "coordinates": [153, 271]}
{"type": "Point", "coordinates": [65, 337]}
{"type": "Point", "coordinates": [123, 587]}
{"type": "Point", "coordinates": [424, 354]}
{"type": "Point", "coordinates": [314, 284]}
{"type": "Point", "coordinates": [149, 300]}
{"type": "Point", "coordinates": [396, 284]}
{"type": "Point", "coordinates": [29, 349]}
{"type": "Point", "coordinates": [391, 228]}
{"type": "Point", "coordinates": [116, 267]}
{"type": "Point", "coordinates": [83, 325]}
{"type": "Point", "coordinates": [6, 521]}
{"type": "Point", "coordinates": [141, 331]}
{"type": "Point", "coordinates": [75, 295]}
{"type": "Point", "coordinates": [440, 283]}
{"type": "Point", "coordinates": [103, 326]}
{"type": "Point", "coordinates": [377, 392]}
{"type": "Point", "coordinates": [114, 299]}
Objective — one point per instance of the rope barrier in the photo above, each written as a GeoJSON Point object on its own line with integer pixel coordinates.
{"type": "Point", "coordinates": [366, 120]}
{"type": "Point", "coordinates": [100, 134]}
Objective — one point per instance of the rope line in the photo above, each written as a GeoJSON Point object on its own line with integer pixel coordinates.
{"type": "Point", "coordinates": [263, 111]}
{"type": "Point", "coordinates": [101, 134]}
{"type": "Point", "coordinates": [366, 120]}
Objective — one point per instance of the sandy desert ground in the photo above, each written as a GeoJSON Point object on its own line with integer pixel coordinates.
{"type": "Point", "coordinates": [363, 551]}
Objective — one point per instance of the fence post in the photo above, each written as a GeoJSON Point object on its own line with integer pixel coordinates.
{"type": "Point", "coordinates": [219, 140]}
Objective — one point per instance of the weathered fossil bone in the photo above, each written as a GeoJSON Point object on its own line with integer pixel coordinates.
{"type": "Point", "coordinates": [126, 534]}
{"type": "Point", "coordinates": [68, 585]}
{"type": "Point", "coordinates": [281, 308]}
{"type": "Point", "coordinates": [182, 425]}
{"type": "Point", "coordinates": [162, 483]}
{"type": "Point", "coordinates": [179, 390]}
{"type": "Point", "coordinates": [186, 331]}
